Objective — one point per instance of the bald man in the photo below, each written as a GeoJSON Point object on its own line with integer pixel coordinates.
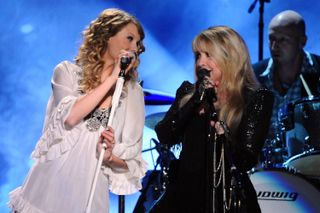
{"type": "Point", "coordinates": [281, 72]}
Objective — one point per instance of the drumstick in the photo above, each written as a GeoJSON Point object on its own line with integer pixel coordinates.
{"type": "Point", "coordinates": [305, 85]}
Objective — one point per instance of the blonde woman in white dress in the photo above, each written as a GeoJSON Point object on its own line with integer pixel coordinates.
{"type": "Point", "coordinates": [75, 125]}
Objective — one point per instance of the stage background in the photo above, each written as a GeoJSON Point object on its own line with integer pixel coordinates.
{"type": "Point", "coordinates": [36, 35]}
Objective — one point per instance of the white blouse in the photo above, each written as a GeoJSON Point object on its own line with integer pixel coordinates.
{"type": "Point", "coordinates": [61, 178]}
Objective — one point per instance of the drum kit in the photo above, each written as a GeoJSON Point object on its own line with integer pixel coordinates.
{"type": "Point", "coordinates": [297, 146]}
{"type": "Point", "coordinates": [288, 179]}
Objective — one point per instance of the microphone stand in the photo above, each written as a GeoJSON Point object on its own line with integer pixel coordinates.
{"type": "Point", "coordinates": [261, 24]}
{"type": "Point", "coordinates": [115, 102]}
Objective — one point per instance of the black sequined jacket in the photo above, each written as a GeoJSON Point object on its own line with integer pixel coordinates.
{"type": "Point", "coordinates": [191, 189]}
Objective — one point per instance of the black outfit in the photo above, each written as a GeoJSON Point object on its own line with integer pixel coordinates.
{"type": "Point", "coordinates": [190, 190]}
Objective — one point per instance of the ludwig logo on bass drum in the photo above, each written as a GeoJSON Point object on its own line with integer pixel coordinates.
{"type": "Point", "coordinates": [276, 195]}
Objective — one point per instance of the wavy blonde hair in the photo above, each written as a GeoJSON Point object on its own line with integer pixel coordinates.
{"type": "Point", "coordinates": [231, 54]}
{"type": "Point", "coordinates": [95, 44]}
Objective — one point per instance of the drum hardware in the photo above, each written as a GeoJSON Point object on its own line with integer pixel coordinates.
{"type": "Point", "coordinates": [301, 124]}
{"type": "Point", "coordinates": [155, 182]}
{"type": "Point", "coordinates": [306, 111]}
{"type": "Point", "coordinates": [274, 153]}
{"type": "Point", "coordinates": [286, 117]}
{"type": "Point", "coordinates": [164, 160]}
{"type": "Point", "coordinates": [307, 143]}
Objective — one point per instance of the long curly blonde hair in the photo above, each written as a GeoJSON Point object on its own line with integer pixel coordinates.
{"type": "Point", "coordinates": [95, 44]}
{"type": "Point", "coordinates": [232, 57]}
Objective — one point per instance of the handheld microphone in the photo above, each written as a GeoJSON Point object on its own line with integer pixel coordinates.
{"type": "Point", "coordinates": [209, 93]}
{"type": "Point", "coordinates": [202, 73]}
{"type": "Point", "coordinates": [126, 60]}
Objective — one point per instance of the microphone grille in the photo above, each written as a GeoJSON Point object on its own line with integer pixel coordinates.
{"type": "Point", "coordinates": [202, 72]}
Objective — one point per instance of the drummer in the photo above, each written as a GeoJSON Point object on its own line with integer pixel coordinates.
{"type": "Point", "coordinates": [288, 65]}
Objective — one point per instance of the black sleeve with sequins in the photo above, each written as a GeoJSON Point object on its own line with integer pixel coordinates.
{"type": "Point", "coordinates": [171, 128]}
{"type": "Point", "coordinates": [253, 129]}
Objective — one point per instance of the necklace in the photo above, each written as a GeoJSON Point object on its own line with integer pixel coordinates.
{"type": "Point", "coordinates": [97, 118]}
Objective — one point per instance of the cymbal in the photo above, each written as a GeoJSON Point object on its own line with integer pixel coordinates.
{"type": "Point", "coordinates": [153, 97]}
{"type": "Point", "coordinates": [153, 119]}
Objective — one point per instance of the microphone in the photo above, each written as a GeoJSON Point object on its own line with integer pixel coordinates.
{"type": "Point", "coordinates": [209, 93]}
{"type": "Point", "coordinates": [126, 60]}
{"type": "Point", "coordinates": [202, 73]}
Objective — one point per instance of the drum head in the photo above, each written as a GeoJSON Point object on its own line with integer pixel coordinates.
{"type": "Point", "coordinates": [307, 163]}
{"type": "Point", "coordinates": [281, 191]}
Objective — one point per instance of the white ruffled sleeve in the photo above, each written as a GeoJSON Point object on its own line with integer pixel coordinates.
{"type": "Point", "coordinates": [64, 83]}
{"type": "Point", "coordinates": [129, 146]}
{"type": "Point", "coordinates": [56, 139]}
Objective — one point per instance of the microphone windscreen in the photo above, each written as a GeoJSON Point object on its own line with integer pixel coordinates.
{"type": "Point", "coordinates": [202, 72]}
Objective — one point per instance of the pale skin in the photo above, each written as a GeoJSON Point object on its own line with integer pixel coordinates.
{"type": "Point", "coordinates": [286, 42]}
{"type": "Point", "coordinates": [124, 43]}
{"type": "Point", "coordinates": [204, 60]}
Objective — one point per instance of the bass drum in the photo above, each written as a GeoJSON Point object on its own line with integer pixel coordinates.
{"type": "Point", "coordinates": [281, 191]}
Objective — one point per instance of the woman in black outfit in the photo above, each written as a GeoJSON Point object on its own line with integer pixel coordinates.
{"type": "Point", "coordinates": [225, 109]}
